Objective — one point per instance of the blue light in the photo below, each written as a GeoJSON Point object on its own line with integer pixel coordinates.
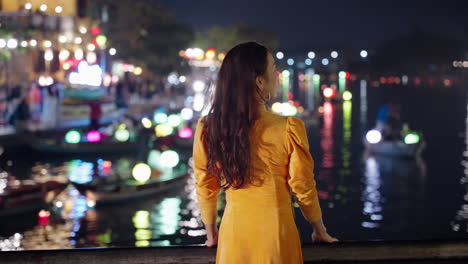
{"type": "Point", "coordinates": [290, 62]}
{"type": "Point", "coordinates": [325, 61]}
{"type": "Point", "coordinates": [308, 61]}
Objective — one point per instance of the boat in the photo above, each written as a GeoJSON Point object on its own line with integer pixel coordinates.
{"type": "Point", "coordinates": [94, 142]}
{"type": "Point", "coordinates": [18, 197]}
{"type": "Point", "coordinates": [128, 189]}
{"type": "Point", "coordinates": [411, 145]}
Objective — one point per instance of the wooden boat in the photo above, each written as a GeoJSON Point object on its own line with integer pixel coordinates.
{"type": "Point", "coordinates": [118, 191]}
{"type": "Point", "coordinates": [29, 195]}
{"type": "Point", "coordinates": [395, 148]}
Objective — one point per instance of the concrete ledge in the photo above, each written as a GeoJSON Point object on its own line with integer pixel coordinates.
{"type": "Point", "coordinates": [345, 252]}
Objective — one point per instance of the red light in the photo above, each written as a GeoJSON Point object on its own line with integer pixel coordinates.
{"type": "Point", "coordinates": [95, 31]}
{"type": "Point", "coordinates": [417, 81]}
{"type": "Point", "coordinates": [348, 75]}
{"type": "Point", "coordinates": [290, 96]}
{"type": "Point", "coordinates": [383, 80]}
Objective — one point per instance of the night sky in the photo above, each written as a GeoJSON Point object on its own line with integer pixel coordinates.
{"type": "Point", "coordinates": [328, 23]}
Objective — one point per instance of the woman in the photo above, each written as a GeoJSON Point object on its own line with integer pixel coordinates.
{"type": "Point", "coordinates": [257, 157]}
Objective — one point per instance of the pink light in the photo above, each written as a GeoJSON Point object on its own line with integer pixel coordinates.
{"type": "Point", "coordinates": [328, 92]}
{"type": "Point", "coordinates": [185, 132]}
{"type": "Point", "coordinates": [93, 136]}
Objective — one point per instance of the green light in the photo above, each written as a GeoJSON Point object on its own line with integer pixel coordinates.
{"type": "Point", "coordinates": [285, 74]}
{"type": "Point", "coordinates": [174, 120]}
{"type": "Point", "coordinates": [169, 159]}
{"type": "Point", "coordinates": [153, 159]}
{"type": "Point", "coordinates": [342, 74]}
{"type": "Point", "coordinates": [160, 118]}
{"type": "Point", "coordinates": [412, 138]}
{"type": "Point", "coordinates": [316, 78]}
{"type": "Point", "coordinates": [347, 96]}
{"type": "Point", "coordinates": [101, 40]}
{"type": "Point", "coordinates": [122, 135]}
{"type": "Point", "coordinates": [73, 137]}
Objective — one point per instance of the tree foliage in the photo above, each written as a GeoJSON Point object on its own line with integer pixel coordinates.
{"type": "Point", "coordinates": [224, 38]}
{"type": "Point", "coordinates": [146, 34]}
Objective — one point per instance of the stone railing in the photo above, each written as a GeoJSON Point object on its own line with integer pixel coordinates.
{"type": "Point", "coordinates": [343, 252]}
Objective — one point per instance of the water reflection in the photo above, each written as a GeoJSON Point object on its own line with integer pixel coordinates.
{"type": "Point", "coordinates": [393, 191]}
{"type": "Point", "coordinates": [460, 223]}
{"type": "Point", "coordinates": [325, 173]}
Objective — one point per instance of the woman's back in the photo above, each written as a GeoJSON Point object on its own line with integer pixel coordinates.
{"type": "Point", "coordinates": [258, 222]}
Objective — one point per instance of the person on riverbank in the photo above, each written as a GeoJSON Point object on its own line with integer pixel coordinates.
{"type": "Point", "coordinates": [258, 158]}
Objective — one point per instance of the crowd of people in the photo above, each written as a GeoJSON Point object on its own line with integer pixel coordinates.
{"type": "Point", "coordinates": [33, 103]}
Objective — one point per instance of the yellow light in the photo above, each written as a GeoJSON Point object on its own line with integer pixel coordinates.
{"type": "Point", "coordinates": [138, 71]}
{"type": "Point", "coordinates": [146, 123]}
{"type": "Point", "coordinates": [58, 9]}
{"type": "Point", "coordinates": [122, 135]}
{"type": "Point", "coordinates": [33, 43]}
{"type": "Point", "coordinates": [221, 56]}
{"type": "Point", "coordinates": [47, 44]}
{"type": "Point", "coordinates": [276, 107]}
{"type": "Point", "coordinates": [66, 66]}
{"type": "Point", "coordinates": [43, 8]}
{"type": "Point", "coordinates": [347, 96]}
{"type": "Point", "coordinates": [141, 172]}
{"type": "Point", "coordinates": [163, 130]}
{"type": "Point", "coordinates": [28, 6]}
{"type": "Point", "coordinates": [78, 40]}
{"type": "Point", "coordinates": [210, 54]}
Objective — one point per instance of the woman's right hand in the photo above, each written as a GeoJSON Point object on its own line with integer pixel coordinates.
{"type": "Point", "coordinates": [320, 233]}
{"type": "Point", "coordinates": [323, 237]}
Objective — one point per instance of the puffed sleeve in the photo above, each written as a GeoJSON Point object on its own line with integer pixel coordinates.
{"type": "Point", "coordinates": [207, 186]}
{"type": "Point", "coordinates": [301, 170]}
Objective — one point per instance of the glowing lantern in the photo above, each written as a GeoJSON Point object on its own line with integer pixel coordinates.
{"type": "Point", "coordinates": [122, 135]}
{"type": "Point", "coordinates": [141, 172]}
{"type": "Point", "coordinates": [186, 114]}
{"type": "Point", "coordinates": [210, 54]}
{"type": "Point", "coordinates": [163, 130]}
{"type": "Point", "coordinates": [328, 92]}
{"type": "Point", "coordinates": [73, 137]}
{"type": "Point", "coordinates": [153, 158]}
{"type": "Point", "coordinates": [185, 132]}
{"type": "Point", "coordinates": [95, 31]}
{"type": "Point", "coordinates": [347, 95]}
{"type": "Point", "coordinates": [412, 138]}
{"type": "Point", "coordinates": [93, 136]}
{"type": "Point", "coordinates": [86, 75]}
{"type": "Point", "coordinates": [276, 107]}
{"type": "Point", "coordinates": [146, 123]}
{"type": "Point", "coordinates": [160, 118]}
{"type": "Point", "coordinates": [374, 136]}
{"type": "Point", "coordinates": [174, 120]}
{"type": "Point", "coordinates": [101, 40]}
{"type": "Point", "coordinates": [169, 159]}
{"type": "Point", "coordinates": [221, 56]}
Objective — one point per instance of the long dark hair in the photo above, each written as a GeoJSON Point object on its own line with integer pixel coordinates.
{"type": "Point", "coordinates": [234, 110]}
